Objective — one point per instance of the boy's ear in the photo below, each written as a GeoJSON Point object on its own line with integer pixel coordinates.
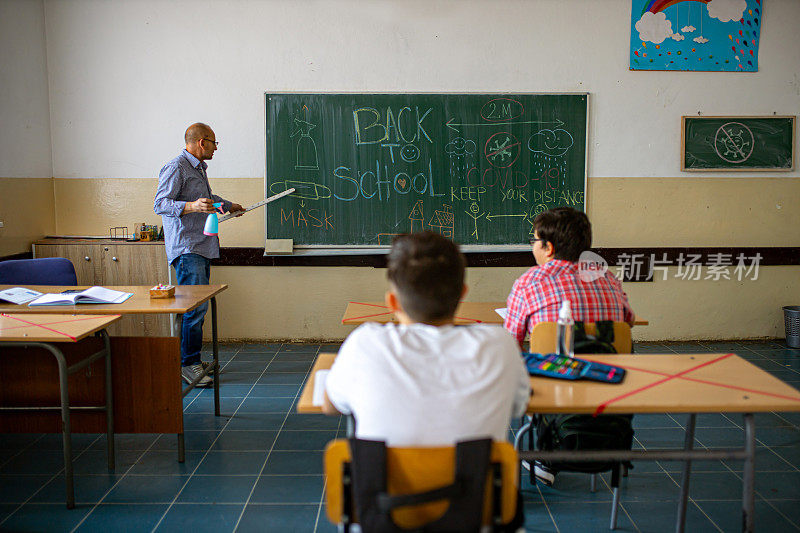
{"type": "Point", "coordinates": [392, 301]}
{"type": "Point", "coordinates": [549, 249]}
{"type": "Point", "coordinates": [464, 290]}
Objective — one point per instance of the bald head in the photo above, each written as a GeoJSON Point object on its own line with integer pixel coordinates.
{"type": "Point", "coordinates": [196, 131]}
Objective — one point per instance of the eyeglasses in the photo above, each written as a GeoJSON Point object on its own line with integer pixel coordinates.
{"type": "Point", "coordinates": [534, 239]}
{"type": "Point", "coordinates": [216, 143]}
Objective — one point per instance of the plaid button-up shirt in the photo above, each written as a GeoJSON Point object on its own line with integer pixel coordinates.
{"type": "Point", "coordinates": [537, 295]}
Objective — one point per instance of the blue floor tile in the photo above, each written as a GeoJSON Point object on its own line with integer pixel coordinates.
{"type": "Point", "coordinates": [299, 421]}
{"type": "Point", "coordinates": [592, 516]}
{"type": "Point", "coordinates": [299, 348]}
{"type": "Point", "coordinates": [88, 489]}
{"type": "Point", "coordinates": [660, 516]}
{"type": "Point", "coordinates": [30, 461]}
{"type": "Point", "coordinates": [165, 462]}
{"type": "Point", "coordinates": [123, 517]}
{"type": "Point", "coordinates": [18, 488]}
{"type": "Point", "coordinates": [273, 391]}
{"type": "Point", "coordinates": [258, 421]}
{"type": "Point", "coordinates": [195, 441]}
{"type": "Point", "coordinates": [146, 489]}
{"type": "Point", "coordinates": [288, 489]}
{"type": "Point", "coordinates": [290, 366]}
{"type": "Point", "coordinates": [281, 462]}
{"type": "Point", "coordinates": [252, 440]}
{"type": "Point", "coordinates": [266, 405]}
{"type": "Point", "coordinates": [728, 516]}
{"type": "Point", "coordinates": [202, 517]}
{"type": "Point", "coordinates": [44, 517]}
{"type": "Point", "coordinates": [294, 357]}
{"type": "Point", "coordinates": [18, 441]}
{"type": "Point", "coordinates": [232, 463]}
{"type": "Point", "coordinates": [245, 366]}
{"type": "Point", "coordinates": [282, 378]}
{"type": "Point", "coordinates": [222, 489]}
{"type": "Point", "coordinates": [303, 440]}
{"type": "Point", "coordinates": [80, 441]}
{"type": "Point", "coordinates": [294, 518]}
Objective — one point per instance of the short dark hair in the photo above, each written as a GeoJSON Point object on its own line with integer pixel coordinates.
{"type": "Point", "coordinates": [567, 229]}
{"type": "Point", "coordinates": [427, 270]}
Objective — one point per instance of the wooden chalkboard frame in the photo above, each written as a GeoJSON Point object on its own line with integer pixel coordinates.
{"type": "Point", "coordinates": [367, 249]}
{"type": "Point", "coordinates": [735, 118]}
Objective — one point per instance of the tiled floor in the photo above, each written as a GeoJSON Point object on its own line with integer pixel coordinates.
{"type": "Point", "coordinates": [258, 467]}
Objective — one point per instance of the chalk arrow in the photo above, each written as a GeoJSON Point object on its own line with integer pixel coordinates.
{"type": "Point", "coordinates": [453, 126]}
{"type": "Point", "coordinates": [490, 216]}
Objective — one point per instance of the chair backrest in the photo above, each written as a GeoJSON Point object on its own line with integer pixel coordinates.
{"type": "Point", "coordinates": [44, 271]}
{"type": "Point", "coordinates": [543, 336]}
{"type": "Point", "coordinates": [419, 469]}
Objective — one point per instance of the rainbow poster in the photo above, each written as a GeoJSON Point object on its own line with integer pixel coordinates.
{"type": "Point", "coordinates": [709, 35]}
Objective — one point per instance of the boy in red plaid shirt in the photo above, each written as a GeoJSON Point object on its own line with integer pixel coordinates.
{"type": "Point", "coordinates": [560, 235]}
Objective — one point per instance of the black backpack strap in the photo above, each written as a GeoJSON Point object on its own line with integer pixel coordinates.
{"type": "Point", "coordinates": [369, 481]}
{"type": "Point", "coordinates": [579, 332]}
{"type": "Point", "coordinates": [374, 504]}
{"type": "Point", "coordinates": [605, 331]}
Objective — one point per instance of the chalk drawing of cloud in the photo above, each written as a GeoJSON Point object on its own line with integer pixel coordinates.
{"type": "Point", "coordinates": [460, 147]}
{"type": "Point", "coordinates": [653, 27]}
{"type": "Point", "coordinates": [726, 10]}
{"type": "Point", "coordinates": [688, 29]}
{"type": "Point", "coordinates": [677, 37]}
{"type": "Point", "coordinates": [550, 142]}
{"type": "Point", "coordinates": [700, 39]}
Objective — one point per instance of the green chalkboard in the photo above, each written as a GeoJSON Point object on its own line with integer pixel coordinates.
{"type": "Point", "coordinates": [737, 143]}
{"type": "Point", "coordinates": [474, 167]}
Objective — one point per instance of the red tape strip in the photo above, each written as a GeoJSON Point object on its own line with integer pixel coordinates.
{"type": "Point", "coordinates": [39, 326]}
{"type": "Point", "coordinates": [602, 406]}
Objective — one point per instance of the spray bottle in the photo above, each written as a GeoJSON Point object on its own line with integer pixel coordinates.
{"type": "Point", "coordinates": [565, 341]}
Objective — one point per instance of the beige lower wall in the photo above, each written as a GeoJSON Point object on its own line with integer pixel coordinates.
{"type": "Point", "coordinates": [307, 302]}
{"type": "Point", "coordinates": [27, 211]}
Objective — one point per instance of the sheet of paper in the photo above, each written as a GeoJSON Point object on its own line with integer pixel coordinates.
{"type": "Point", "coordinates": [503, 312]}
{"type": "Point", "coordinates": [19, 295]}
{"type": "Point", "coordinates": [319, 387]}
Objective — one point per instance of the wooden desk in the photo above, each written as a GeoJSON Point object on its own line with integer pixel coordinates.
{"type": "Point", "coordinates": [146, 370]}
{"type": "Point", "coordinates": [47, 331]}
{"type": "Point", "coordinates": [671, 383]}
{"type": "Point", "coordinates": [466, 313]}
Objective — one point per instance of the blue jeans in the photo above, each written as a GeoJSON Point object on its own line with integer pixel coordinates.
{"type": "Point", "coordinates": [192, 269]}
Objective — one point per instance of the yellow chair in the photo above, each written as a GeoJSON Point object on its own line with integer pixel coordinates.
{"type": "Point", "coordinates": [416, 470]}
{"type": "Point", "coordinates": [543, 336]}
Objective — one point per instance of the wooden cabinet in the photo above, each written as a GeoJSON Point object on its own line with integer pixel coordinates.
{"type": "Point", "coordinates": [113, 262]}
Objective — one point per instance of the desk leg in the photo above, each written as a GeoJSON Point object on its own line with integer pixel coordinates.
{"type": "Point", "coordinates": [687, 470]}
{"type": "Point", "coordinates": [748, 476]}
{"type": "Point", "coordinates": [215, 349]}
{"type": "Point", "coordinates": [63, 375]}
{"type": "Point", "coordinates": [109, 402]}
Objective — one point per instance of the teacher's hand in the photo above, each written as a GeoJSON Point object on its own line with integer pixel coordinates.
{"type": "Point", "coordinates": [201, 205]}
{"type": "Point", "coordinates": [236, 210]}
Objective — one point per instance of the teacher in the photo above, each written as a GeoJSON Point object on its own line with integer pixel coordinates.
{"type": "Point", "coordinates": [184, 200]}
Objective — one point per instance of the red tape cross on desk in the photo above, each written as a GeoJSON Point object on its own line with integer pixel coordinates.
{"type": "Point", "coordinates": [682, 375]}
{"type": "Point", "coordinates": [44, 325]}
{"type": "Point", "coordinates": [350, 319]}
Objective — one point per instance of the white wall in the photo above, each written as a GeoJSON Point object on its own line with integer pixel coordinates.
{"type": "Point", "coordinates": [127, 77]}
{"type": "Point", "coordinates": [24, 106]}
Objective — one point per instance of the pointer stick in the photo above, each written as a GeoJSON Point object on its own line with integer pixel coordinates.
{"type": "Point", "coordinates": [259, 204]}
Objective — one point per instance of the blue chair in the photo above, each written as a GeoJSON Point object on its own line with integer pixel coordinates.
{"type": "Point", "coordinates": [44, 271]}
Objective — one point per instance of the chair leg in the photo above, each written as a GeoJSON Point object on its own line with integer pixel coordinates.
{"type": "Point", "coordinates": [593, 485]}
{"type": "Point", "coordinates": [615, 475]}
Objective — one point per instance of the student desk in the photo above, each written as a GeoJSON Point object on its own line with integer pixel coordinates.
{"type": "Point", "coordinates": [48, 332]}
{"type": "Point", "coordinates": [672, 383]}
{"type": "Point", "coordinates": [466, 313]}
{"type": "Point", "coordinates": [145, 370]}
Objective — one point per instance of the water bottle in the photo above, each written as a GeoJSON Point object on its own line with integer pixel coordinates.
{"type": "Point", "coordinates": [565, 344]}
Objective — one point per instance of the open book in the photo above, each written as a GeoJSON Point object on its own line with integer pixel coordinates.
{"type": "Point", "coordinates": [19, 295]}
{"type": "Point", "coordinates": [92, 295]}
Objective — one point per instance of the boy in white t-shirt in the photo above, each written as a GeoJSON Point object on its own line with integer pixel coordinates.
{"type": "Point", "coordinates": [425, 381]}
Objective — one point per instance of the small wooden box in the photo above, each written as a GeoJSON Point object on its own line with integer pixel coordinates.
{"type": "Point", "coordinates": [162, 291]}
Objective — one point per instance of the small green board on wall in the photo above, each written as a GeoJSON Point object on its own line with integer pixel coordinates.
{"type": "Point", "coordinates": [737, 143]}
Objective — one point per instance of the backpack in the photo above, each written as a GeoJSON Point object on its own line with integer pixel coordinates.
{"type": "Point", "coordinates": [586, 432]}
